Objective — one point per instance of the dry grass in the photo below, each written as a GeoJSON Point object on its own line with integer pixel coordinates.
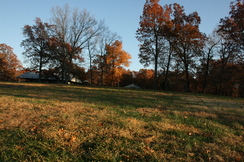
{"type": "Point", "coordinates": [70, 123]}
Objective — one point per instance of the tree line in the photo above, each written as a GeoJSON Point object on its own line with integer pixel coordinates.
{"type": "Point", "coordinates": [184, 58]}
{"type": "Point", "coordinates": [170, 39]}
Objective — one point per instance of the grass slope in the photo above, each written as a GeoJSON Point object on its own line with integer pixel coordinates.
{"type": "Point", "coordinates": [51, 122]}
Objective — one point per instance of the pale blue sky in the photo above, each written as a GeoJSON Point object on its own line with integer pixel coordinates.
{"type": "Point", "coordinates": [122, 17]}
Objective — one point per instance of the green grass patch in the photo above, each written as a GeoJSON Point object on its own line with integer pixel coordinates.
{"type": "Point", "coordinates": [20, 145]}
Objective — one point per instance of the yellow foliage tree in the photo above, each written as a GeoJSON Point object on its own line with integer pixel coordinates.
{"type": "Point", "coordinates": [116, 59]}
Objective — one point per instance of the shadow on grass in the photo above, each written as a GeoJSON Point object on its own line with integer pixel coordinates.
{"type": "Point", "coordinates": [130, 100]}
{"type": "Point", "coordinates": [104, 96]}
{"type": "Point", "coordinates": [177, 108]}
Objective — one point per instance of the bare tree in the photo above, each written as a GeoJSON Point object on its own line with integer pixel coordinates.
{"type": "Point", "coordinates": [210, 50]}
{"type": "Point", "coordinates": [106, 38]}
{"type": "Point", "coordinates": [92, 52]}
{"type": "Point", "coordinates": [228, 52]}
{"type": "Point", "coordinates": [74, 27]}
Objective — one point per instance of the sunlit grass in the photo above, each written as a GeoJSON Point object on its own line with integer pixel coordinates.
{"type": "Point", "coordinates": [55, 122]}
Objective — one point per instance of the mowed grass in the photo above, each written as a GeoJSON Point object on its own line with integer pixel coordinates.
{"type": "Point", "coordinates": [54, 122]}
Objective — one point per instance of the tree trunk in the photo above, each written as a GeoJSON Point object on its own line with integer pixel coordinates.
{"type": "Point", "coordinates": [206, 74]}
{"type": "Point", "coordinates": [65, 74]}
{"type": "Point", "coordinates": [221, 83]}
{"type": "Point", "coordinates": [241, 91]}
{"type": "Point", "coordinates": [62, 74]}
{"type": "Point", "coordinates": [156, 64]}
{"type": "Point", "coordinates": [101, 78]}
{"type": "Point", "coordinates": [69, 67]}
{"type": "Point", "coordinates": [40, 68]}
{"type": "Point", "coordinates": [40, 72]}
{"type": "Point", "coordinates": [91, 80]}
{"type": "Point", "coordinates": [187, 82]}
{"type": "Point", "coordinates": [166, 83]}
{"type": "Point", "coordinates": [222, 76]}
{"type": "Point", "coordinates": [113, 73]}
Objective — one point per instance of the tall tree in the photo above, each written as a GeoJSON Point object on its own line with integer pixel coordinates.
{"type": "Point", "coordinates": [232, 27]}
{"type": "Point", "coordinates": [36, 44]}
{"type": "Point", "coordinates": [106, 38]}
{"type": "Point", "coordinates": [75, 28]}
{"type": "Point", "coordinates": [116, 58]}
{"type": "Point", "coordinates": [92, 52]}
{"type": "Point", "coordinates": [189, 40]}
{"type": "Point", "coordinates": [231, 30]}
{"type": "Point", "coordinates": [210, 50]}
{"type": "Point", "coordinates": [227, 52]}
{"type": "Point", "coordinates": [150, 34]}
{"type": "Point", "coordinates": [165, 61]}
{"type": "Point", "coordinates": [60, 55]}
{"type": "Point", "coordinates": [9, 64]}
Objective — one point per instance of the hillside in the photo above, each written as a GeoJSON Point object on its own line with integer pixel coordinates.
{"type": "Point", "coordinates": [55, 122]}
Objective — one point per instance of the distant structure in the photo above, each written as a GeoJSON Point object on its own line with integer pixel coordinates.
{"type": "Point", "coordinates": [33, 77]}
{"type": "Point", "coordinates": [75, 81]}
{"type": "Point", "coordinates": [29, 76]}
{"type": "Point", "coordinates": [133, 86]}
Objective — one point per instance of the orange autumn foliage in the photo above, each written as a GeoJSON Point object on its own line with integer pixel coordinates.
{"type": "Point", "coordinates": [154, 23]}
{"type": "Point", "coordinates": [9, 63]}
{"type": "Point", "coordinates": [116, 59]}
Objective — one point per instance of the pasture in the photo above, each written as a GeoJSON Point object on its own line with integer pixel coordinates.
{"type": "Point", "coordinates": [55, 122]}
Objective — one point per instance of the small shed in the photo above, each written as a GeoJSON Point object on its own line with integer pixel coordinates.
{"type": "Point", "coordinates": [133, 86]}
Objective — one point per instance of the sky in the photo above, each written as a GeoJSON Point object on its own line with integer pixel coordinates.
{"type": "Point", "coordinates": [121, 16]}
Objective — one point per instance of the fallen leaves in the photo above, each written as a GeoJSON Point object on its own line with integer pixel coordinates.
{"type": "Point", "coordinates": [72, 139]}
{"type": "Point", "coordinates": [19, 148]}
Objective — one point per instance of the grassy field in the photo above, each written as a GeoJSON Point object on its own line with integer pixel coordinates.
{"type": "Point", "coordinates": [54, 122]}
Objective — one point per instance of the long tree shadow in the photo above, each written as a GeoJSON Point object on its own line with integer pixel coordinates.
{"type": "Point", "coordinates": [105, 96]}
{"type": "Point", "coordinates": [226, 114]}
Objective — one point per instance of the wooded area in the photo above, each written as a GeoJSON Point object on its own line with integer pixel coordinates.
{"type": "Point", "coordinates": [184, 58]}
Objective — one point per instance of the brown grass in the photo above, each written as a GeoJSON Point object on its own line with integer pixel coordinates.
{"type": "Point", "coordinates": [170, 126]}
